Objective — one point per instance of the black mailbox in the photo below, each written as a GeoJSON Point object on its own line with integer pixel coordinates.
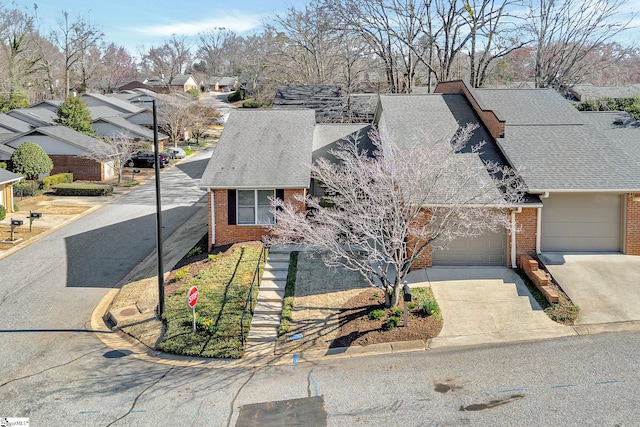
{"type": "Point", "coordinates": [406, 290]}
{"type": "Point", "coordinates": [35, 215]}
{"type": "Point", "coordinates": [16, 222]}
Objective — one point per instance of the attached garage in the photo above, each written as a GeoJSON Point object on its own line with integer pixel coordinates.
{"type": "Point", "coordinates": [582, 222]}
{"type": "Point", "coordinates": [490, 248]}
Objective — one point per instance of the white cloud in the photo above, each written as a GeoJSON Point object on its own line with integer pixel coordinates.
{"type": "Point", "coordinates": [236, 22]}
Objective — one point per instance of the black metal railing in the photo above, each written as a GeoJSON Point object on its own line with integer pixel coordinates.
{"type": "Point", "coordinates": [248, 304]}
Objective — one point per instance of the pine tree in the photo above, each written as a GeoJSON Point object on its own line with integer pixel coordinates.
{"type": "Point", "coordinates": [73, 113]}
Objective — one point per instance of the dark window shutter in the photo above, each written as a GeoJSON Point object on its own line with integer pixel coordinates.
{"type": "Point", "coordinates": [231, 205]}
{"type": "Point", "coordinates": [280, 194]}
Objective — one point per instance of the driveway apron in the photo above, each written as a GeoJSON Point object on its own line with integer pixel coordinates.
{"type": "Point", "coordinates": [605, 286]}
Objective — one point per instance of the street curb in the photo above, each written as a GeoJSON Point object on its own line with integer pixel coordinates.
{"type": "Point", "coordinates": [599, 328]}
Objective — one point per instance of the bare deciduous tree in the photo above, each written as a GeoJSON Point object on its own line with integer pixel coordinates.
{"type": "Point", "coordinates": [566, 31]}
{"type": "Point", "coordinates": [173, 115]}
{"type": "Point", "coordinates": [116, 152]}
{"type": "Point", "coordinates": [384, 210]}
{"type": "Point", "coordinates": [170, 59]}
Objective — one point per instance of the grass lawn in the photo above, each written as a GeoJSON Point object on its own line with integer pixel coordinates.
{"type": "Point", "coordinates": [223, 287]}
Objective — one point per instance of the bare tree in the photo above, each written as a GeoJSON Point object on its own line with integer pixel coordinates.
{"type": "Point", "coordinates": [173, 115]}
{"type": "Point", "coordinates": [115, 153]}
{"type": "Point", "coordinates": [201, 118]}
{"type": "Point", "coordinates": [74, 39]}
{"type": "Point", "coordinates": [211, 49]}
{"type": "Point", "coordinates": [384, 210]}
{"type": "Point", "coordinates": [170, 59]}
{"type": "Point", "coordinates": [566, 31]}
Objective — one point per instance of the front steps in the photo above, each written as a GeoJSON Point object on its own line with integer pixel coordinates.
{"type": "Point", "coordinates": [268, 310]}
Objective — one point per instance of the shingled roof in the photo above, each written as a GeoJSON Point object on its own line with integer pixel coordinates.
{"type": "Point", "coordinates": [262, 149]}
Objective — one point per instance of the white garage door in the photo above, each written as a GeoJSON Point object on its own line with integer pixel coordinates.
{"type": "Point", "coordinates": [581, 223]}
{"type": "Point", "coordinates": [486, 249]}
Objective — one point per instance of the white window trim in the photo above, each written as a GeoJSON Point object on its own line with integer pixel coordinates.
{"type": "Point", "coordinates": [255, 206]}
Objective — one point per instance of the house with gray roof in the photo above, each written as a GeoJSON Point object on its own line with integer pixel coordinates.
{"type": "Point", "coordinates": [7, 179]}
{"type": "Point", "coordinates": [35, 117]}
{"type": "Point", "coordinates": [114, 126]}
{"type": "Point", "coordinates": [96, 99]}
{"type": "Point", "coordinates": [67, 149]}
{"type": "Point", "coordinates": [10, 125]}
{"type": "Point", "coordinates": [581, 170]}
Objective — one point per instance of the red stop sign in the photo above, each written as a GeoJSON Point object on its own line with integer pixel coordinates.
{"type": "Point", "coordinates": [192, 296]}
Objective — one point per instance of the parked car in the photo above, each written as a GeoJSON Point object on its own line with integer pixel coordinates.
{"type": "Point", "coordinates": [176, 153]}
{"type": "Point", "coordinates": [147, 160]}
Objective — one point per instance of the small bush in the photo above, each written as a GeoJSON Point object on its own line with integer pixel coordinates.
{"type": "Point", "coordinates": [197, 250]}
{"type": "Point", "coordinates": [3, 212]}
{"type": "Point", "coordinates": [429, 307]}
{"type": "Point", "coordinates": [182, 273]}
{"type": "Point", "coordinates": [193, 92]}
{"type": "Point", "coordinates": [252, 103]}
{"type": "Point", "coordinates": [391, 323]}
{"type": "Point", "coordinates": [82, 189]}
{"type": "Point", "coordinates": [235, 96]}
{"type": "Point", "coordinates": [3, 165]}
{"type": "Point", "coordinates": [396, 311]}
{"type": "Point", "coordinates": [376, 314]}
{"type": "Point", "coordinates": [59, 178]}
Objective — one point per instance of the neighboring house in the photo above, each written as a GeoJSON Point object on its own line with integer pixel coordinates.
{"type": "Point", "coordinates": [221, 84]}
{"type": "Point", "coordinates": [587, 92]}
{"type": "Point", "coordinates": [113, 126]}
{"type": "Point", "coordinates": [99, 100]}
{"type": "Point", "coordinates": [52, 105]}
{"type": "Point", "coordinates": [67, 149]}
{"type": "Point", "coordinates": [35, 116]}
{"type": "Point", "coordinates": [7, 179]}
{"type": "Point", "coordinates": [10, 125]}
{"type": "Point", "coordinates": [581, 169]}
{"type": "Point", "coordinates": [183, 83]}
{"type": "Point", "coordinates": [135, 84]}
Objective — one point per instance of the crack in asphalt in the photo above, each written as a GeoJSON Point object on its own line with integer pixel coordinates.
{"type": "Point", "coordinates": [237, 393]}
{"type": "Point", "coordinates": [51, 367]}
{"type": "Point", "coordinates": [135, 401]}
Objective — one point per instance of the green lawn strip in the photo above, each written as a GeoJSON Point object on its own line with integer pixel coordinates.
{"type": "Point", "coordinates": [425, 300]}
{"type": "Point", "coordinates": [289, 292]}
{"type": "Point", "coordinates": [223, 288]}
{"type": "Point", "coordinates": [564, 311]}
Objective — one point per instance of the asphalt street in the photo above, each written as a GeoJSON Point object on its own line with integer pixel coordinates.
{"type": "Point", "coordinates": [49, 289]}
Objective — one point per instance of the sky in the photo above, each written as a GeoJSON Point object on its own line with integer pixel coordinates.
{"type": "Point", "coordinates": [137, 24]}
{"type": "Point", "coordinates": [140, 24]}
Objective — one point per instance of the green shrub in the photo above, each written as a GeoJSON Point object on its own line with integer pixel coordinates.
{"type": "Point", "coordinates": [3, 165]}
{"type": "Point", "coordinates": [252, 103]}
{"type": "Point", "coordinates": [59, 178]}
{"type": "Point", "coordinates": [182, 273]}
{"type": "Point", "coordinates": [396, 311]}
{"type": "Point", "coordinates": [82, 189]}
{"type": "Point", "coordinates": [391, 323]}
{"type": "Point", "coordinates": [429, 307]}
{"type": "Point", "coordinates": [197, 250]}
{"type": "Point", "coordinates": [193, 92]}
{"type": "Point", "coordinates": [3, 212]}
{"type": "Point", "coordinates": [235, 96]}
{"type": "Point", "coordinates": [376, 314]}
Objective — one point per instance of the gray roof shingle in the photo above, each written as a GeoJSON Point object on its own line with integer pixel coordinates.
{"type": "Point", "coordinates": [6, 176]}
{"type": "Point", "coordinates": [262, 149]}
{"type": "Point", "coordinates": [13, 125]}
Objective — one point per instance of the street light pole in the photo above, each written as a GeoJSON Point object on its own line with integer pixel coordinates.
{"type": "Point", "coordinates": [158, 213]}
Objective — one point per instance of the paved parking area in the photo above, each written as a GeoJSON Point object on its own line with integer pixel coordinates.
{"type": "Point", "coordinates": [605, 286]}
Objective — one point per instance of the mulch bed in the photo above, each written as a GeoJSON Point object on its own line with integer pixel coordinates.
{"type": "Point", "coordinates": [357, 329]}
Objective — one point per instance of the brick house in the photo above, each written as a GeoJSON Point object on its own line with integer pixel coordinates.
{"type": "Point", "coordinates": [581, 169]}
{"type": "Point", "coordinates": [66, 148]}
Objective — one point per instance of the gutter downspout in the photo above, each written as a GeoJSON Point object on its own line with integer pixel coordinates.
{"type": "Point", "coordinates": [514, 263]}
{"type": "Point", "coordinates": [545, 195]}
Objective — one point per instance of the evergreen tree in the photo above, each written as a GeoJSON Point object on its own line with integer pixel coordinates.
{"type": "Point", "coordinates": [73, 113]}
{"type": "Point", "coordinates": [30, 160]}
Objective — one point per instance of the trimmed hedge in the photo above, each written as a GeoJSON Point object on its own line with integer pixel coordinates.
{"type": "Point", "coordinates": [82, 189]}
{"type": "Point", "coordinates": [235, 96]}
{"type": "Point", "coordinates": [59, 178]}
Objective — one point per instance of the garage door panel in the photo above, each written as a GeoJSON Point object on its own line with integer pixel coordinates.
{"type": "Point", "coordinates": [581, 223]}
{"type": "Point", "coordinates": [486, 249]}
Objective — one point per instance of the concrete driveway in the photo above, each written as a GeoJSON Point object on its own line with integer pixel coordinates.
{"type": "Point", "coordinates": [606, 287]}
{"type": "Point", "coordinates": [485, 305]}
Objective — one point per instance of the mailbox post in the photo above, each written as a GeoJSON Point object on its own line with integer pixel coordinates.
{"type": "Point", "coordinates": [32, 217]}
{"type": "Point", "coordinates": [15, 223]}
{"type": "Point", "coordinates": [406, 291]}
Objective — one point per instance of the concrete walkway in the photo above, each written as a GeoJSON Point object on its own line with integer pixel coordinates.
{"type": "Point", "coordinates": [606, 287]}
{"type": "Point", "coordinates": [482, 305]}
{"type": "Point", "coordinates": [267, 313]}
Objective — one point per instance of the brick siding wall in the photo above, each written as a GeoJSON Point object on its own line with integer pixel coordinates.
{"type": "Point", "coordinates": [82, 169]}
{"type": "Point", "coordinates": [527, 226]}
{"type": "Point", "coordinates": [632, 238]}
{"type": "Point", "coordinates": [226, 234]}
